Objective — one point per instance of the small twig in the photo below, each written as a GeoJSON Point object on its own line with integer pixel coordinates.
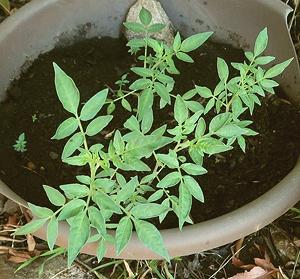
{"type": "Point", "coordinates": [60, 272]}
{"type": "Point", "coordinates": [100, 276]}
{"type": "Point", "coordinates": [226, 261]}
{"type": "Point", "coordinates": [106, 265]}
{"type": "Point", "coordinates": [110, 88]}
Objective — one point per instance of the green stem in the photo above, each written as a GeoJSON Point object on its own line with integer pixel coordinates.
{"type": "Point", "coordinates": [83, 133]}
{"type": "Point", "coordinates": [122, 97]}
{"type": "Point", "coordinates": [146, 50]}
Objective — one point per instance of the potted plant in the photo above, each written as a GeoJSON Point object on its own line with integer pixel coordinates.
{"type": "Point", "coordinates": [178, 149]}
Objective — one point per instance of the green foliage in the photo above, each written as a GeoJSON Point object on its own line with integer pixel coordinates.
{"type": "Point", "coordinates": [20, 145]}
{"type": "Point", "coordinates": [5, 6]}
{"type": "Point", "coordinates": [120, 180]}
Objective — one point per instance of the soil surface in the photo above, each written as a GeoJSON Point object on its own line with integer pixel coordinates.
{"type": "Point", "coordinates": [55, 268]}
{"type": "Point", "coordinates": [233, 178]}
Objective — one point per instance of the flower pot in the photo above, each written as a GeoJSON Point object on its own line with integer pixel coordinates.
{"type": "Point", "coordinates": [41, 25]}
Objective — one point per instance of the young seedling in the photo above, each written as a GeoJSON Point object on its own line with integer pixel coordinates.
{"type": "Point", "coordinates": [121, 181]}
{"type": "Point", "coordinates": [34, 118]}
{"type": "Point", "coordinates": [20, 145]}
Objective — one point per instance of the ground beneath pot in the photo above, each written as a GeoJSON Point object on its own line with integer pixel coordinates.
{"type": "Point", "coordinates": [233, 178]}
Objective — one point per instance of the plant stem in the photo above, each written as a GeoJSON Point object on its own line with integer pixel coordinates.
{"type": "Point", "coordinates": [122, 97]}
{"type": "Point", "coordinates": [146, 50]}
{"type": "Point", "coordinates": [83, 134]}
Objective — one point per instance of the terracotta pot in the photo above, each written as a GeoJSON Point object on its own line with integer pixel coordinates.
{"type": "Point", "coordinates": [41, 25]}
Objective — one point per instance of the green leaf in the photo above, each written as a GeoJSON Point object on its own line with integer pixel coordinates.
{"type": "Point", "coordinates": [169, 180]}
{"type": "Point", "coordinates": [127, 189]}
{"type": "Point", "coordinates": [223, 71]}
{"type": "Point", "coordinates": [218, 121]}
{"type": "Point", "coordinates": [156, 27]}
{"type": "Point", "coordinates": [204, 91]}
{"type": "Point", "coordinates": [200, 128]}
{"type": "Point", "coordinates": [189, 94]}
{"type": "Point", "coordinates": [264, 60]}
{"type": "Point", "coordinates": [185, 204]}
{"type": "Point", "coordinates": [52, 232]}
{"type": "Point", "coordinates": [101, 250]}
{"type": "Point", "coordinates": [177, 42]}
{"type": "Point", "coordinates": [105, 184]}
{"type": "Point", "coordinates": [169, 159]}
{"type": "Point", "coordinates": [145, 16]}
{"type": "Point", "coordinates": [75, 190]}
{"type": "Point", "coordinates": [162, 92]}
{"type": "Point", "coordinates": [194, 188]}
{"type": "Point", "coordinates": [95, 149]}
{"type": "Point", "coordinates": [154, 44]}
{"type": "Point", "coordinates": [268, 83]}
{"type": "Point", "coordinates": [78, 236]}
{"type": "Point", "coordinates": [123, 234]}
{"type": "Point", "coordinates": [230, 130]}
{"type": "Point", "coordinates": [31, 227]}
{"type": "Point", "coordinates": [194, 41]}
{"type": "Point", "coordinates": [212, 146]}
{"type": "Point", "coordinates": [196, 155]}
{"type": "Point", "coordinates": [237, 107]}
{"type": "Point", "coordinates": [193, 169]}
{"type": "Point", "coordinates": [134, 27]}
{"type": "Point", "coordinates": [261, 42]}
{"type": "Point", "coordinates": [72, 145]}
{"type": "Point", "coordinates": [136, 43]}
{"type": "Point", "coordinates": [145, 102]}
{"type": "Point", "coordinates": [5, 4]}
{"type": "Point", "coordinates": [209, 106]}
{"type": "Point", "coordinates": [118, 142]}
{"type": "Point", "coordinates": [66, 128]}
{"type": "Point", "coordinates": [165, 79]}
{"type": "Point", "coordinates": [242, 143]}
{"type": "Point", "coordinates": [97, 220]}
{"type": "Point", "coordinates": [71, 209]}
{"type": "Point", "coordinates": [147, 210]}
{"type": "Point", "coordinates": [66, 90]}
{"type": "Point", "coordinates": [79, 160]}
{"type": "Point", "coordinates": [278, 69]}
{"type": "Point", "coordinates": [40, 212]}
{"type": "Point", "coordinates": [180, 110]}
{"type": "Point", "coordinates": [105, 202]}
{"type": "Point", "coordinates": [140, 84]}
{"type": "Point", "coordinates": [110, 108]}
{"type": "Point", "coordinates": [85, 179]}
{"type": "Point", "coordinates": [156, 196]}
{"type": "Point", "coordinates": [93, 105]}
{"type": "Point", "coordinates": [249, 55]}
{"type": "Point", "coordinates": [54, 196]}
{"type": "Point", "coordinates": [184, 57]}
{"type": "Point", "coordinates": [147, 121]}
{"type": "Point", "coordinates": [194, 106]}
{"type": "Point", "coordinates": [143, 72]}
{"type": "Point", "coordinates": [165, 203]}
{"type": "Point", "coordinates": [132, 124]}
{"type": "Point", "coordinates": [98, 124]}
{"type": "Point", "coordinates": [149, 235]}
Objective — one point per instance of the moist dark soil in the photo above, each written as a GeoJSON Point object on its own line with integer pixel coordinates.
{"type": "Point", "coordinates": [233, 178]}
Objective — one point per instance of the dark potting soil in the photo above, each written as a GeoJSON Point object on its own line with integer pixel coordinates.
{"type": "Point", "coordinates": [233, 178]}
